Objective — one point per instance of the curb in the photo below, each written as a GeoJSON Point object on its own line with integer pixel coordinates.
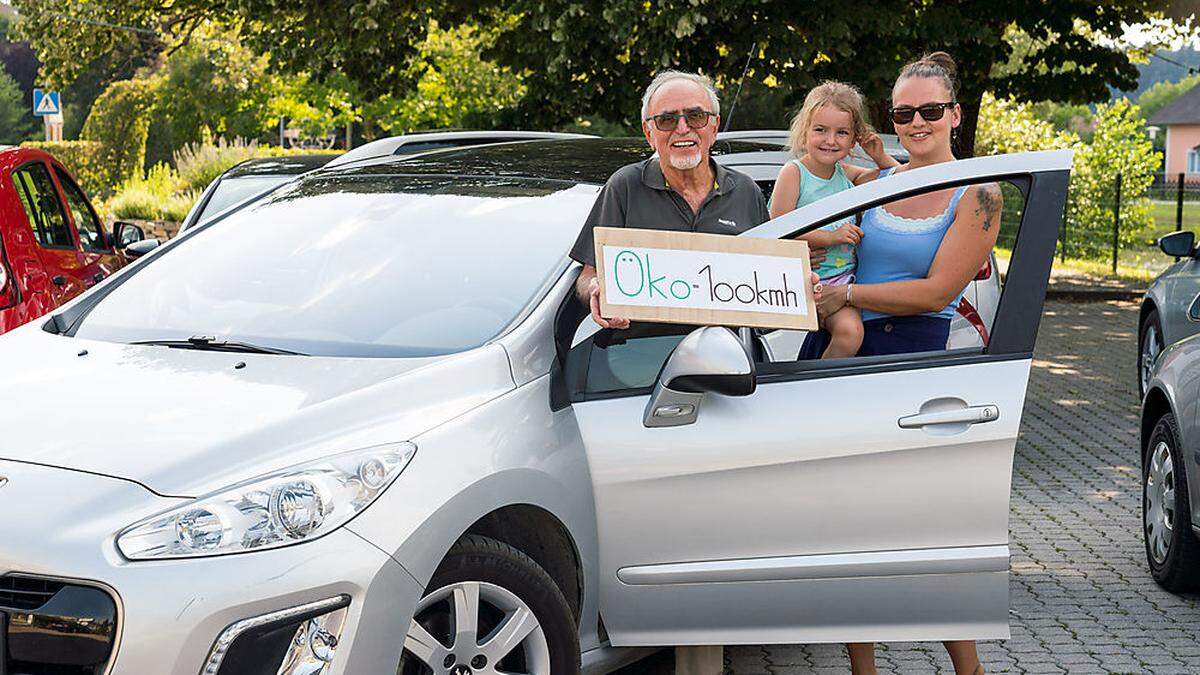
{"type": "Point", "coordinates": [1093, 294]}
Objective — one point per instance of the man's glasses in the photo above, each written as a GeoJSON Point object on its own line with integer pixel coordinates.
{"type": "Point", "coordinates": [696, 119]}
{"type": "Point", "coordinates": [930, 112]}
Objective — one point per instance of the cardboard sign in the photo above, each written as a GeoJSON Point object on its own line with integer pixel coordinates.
{"type": "Point", "coordinates": [704, 279]}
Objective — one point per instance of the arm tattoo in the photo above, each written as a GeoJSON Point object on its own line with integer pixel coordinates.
{"type": "Point", "coordinates": [989, 205]}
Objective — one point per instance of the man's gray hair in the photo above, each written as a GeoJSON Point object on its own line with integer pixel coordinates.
{"type": "Point", "coordinates": [671, 75]}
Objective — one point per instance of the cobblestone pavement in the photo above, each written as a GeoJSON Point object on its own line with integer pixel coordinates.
{"type": "Point", "coordinates": [1082, 599]}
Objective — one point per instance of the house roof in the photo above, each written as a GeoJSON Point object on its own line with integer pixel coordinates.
{"type": "Point", "coordinates": [1183, 110]}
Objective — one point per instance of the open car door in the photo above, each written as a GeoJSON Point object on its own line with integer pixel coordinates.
{"type": "Point", "coordinates": [861, 499]}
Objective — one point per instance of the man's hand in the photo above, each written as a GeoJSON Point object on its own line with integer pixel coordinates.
{"type": "Point", "coordinates": [588, 289]}
{"type": "Point", "coordinates": [594, 299]}
{"type": "Point", "coordinates": [816, 256]}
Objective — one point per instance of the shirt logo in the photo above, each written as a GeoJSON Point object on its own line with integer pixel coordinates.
{"type": "Point", "coordinates": [726, 222]}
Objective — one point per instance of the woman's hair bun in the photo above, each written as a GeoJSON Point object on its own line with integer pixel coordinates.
{"type": "Point", "coordinates": [944, 60]}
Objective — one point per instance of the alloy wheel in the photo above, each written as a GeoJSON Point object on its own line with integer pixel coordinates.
{"type": "Point", "coordinates": [1151, 348]}
{"type": "Point", "coordinates": [1160, 502]}
{"type": "Point", "coordinates": [476, 628]}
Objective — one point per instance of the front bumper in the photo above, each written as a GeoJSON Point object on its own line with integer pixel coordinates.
{"type": "Point", "coordinates": [61, 525]}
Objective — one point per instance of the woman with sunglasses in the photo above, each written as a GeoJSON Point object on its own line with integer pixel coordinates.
{"type": "Point", "coordinates": [917, 255]}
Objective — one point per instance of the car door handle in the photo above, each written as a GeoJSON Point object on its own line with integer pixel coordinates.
{"type": "Point", "coordinates": [59, 280]}
{"type": "Point", "coordinates": [978, 414]}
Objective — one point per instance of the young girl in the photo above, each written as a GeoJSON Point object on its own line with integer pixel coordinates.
{"type": "Point", "coordinates": [831, 121]}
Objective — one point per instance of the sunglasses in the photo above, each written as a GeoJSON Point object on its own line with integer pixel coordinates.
{"type": "Point", "coordinates": [930, 112]}
{"type": "Point", "coordinates": [696, 119]}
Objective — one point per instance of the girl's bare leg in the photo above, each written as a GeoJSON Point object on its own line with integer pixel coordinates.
{"type": "Point", "coordinates": [964, 656]}
{"type": "Point", "coordinates": [862, 658]}
{"type": "Point", "coordinates": [845, 333]}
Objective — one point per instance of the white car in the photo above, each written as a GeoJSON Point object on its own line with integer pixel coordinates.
{"type": "Point", "coordinates": [362, 426]}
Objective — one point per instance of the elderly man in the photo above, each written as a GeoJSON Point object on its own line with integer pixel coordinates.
{"type": "Point", "coordinates": [679, 189]}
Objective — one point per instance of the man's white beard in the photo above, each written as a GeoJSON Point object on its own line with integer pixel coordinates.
{"type": "Point", "coordinates": [686, 162]}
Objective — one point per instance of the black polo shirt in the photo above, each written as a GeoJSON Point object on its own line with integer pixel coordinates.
{"type": "Point", "coordinates": [637, 195]}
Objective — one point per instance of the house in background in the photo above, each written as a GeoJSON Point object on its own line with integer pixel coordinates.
{"type": "Point", "coordinates": [1181, 119]}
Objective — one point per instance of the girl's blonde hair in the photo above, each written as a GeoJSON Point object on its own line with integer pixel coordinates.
{"type": "Point", "coordinates": [844, 97]}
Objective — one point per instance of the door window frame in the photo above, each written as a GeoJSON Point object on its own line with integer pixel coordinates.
{"type": "Point", "coordinates": [66, 182]}
{"type": "Point", "coordinates": [28, 199]}
{"type": "Point", "coordinates": [1012, 338]}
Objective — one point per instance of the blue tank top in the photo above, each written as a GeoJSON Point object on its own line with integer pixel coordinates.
{"type": "Point", "coordinates": [894, 248]}
{"type": "Point", "coordinates": [839, 259]}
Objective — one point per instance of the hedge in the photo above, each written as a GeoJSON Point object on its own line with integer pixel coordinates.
{"type": "Point", "coordinates": [120, 122]}
{"type": "Point", "coordinates": [85, 159]}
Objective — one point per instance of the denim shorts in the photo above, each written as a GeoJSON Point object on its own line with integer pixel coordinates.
{"type": "Point", "coordinates": [888, 335]}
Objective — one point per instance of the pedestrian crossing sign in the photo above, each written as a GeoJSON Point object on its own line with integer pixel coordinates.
{"type": "Point", "coordinates": [46, 103]}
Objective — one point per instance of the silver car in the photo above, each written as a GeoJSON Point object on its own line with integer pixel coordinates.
{"type": "Point", "coordinates": [1171, 306]}
{"type": "Point", "coordinates": [363, 426]}
{"type": "Point", "coordinates": [1170, 489]}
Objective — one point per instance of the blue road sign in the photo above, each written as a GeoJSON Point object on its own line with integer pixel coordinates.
{"type": "Point", "coordinates": [46, 103]}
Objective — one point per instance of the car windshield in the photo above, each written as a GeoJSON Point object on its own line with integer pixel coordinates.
{"type": "Point", "coordinates": [360, 266]}
{"type": "Point", "coordinates": [234, 189]}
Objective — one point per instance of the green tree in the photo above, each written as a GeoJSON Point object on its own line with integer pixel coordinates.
{"type": "Point", "coordinates": [454, 87]}
{"type": "Point", "coordinates": [369, 41]}
{"type": "Point", "coordinates": [1074, 117]}
{"type": "Point", "coordinates": [16, 118]}
{"type": "Point", "coordinates": [212, 86]}
{"type": "Point", "coordinates": [578, 60]}
{"type": "Point", "coordinates": [1119, 146]}
{"type": "Point", "coordinates": [120, 123]}
{"type": "Point", "coordinates": [1007, 125]}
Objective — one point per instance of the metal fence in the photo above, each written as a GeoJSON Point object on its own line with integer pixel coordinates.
{"type": "Point", "coordinates": [1179, 187]}
{"type": "Point", "coordinates": [1174, 202]}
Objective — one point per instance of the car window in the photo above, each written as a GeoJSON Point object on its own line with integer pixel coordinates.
{"type": "Point", "coordinates": [91, 237]}
{"type": "Point", "coordinates": [630, 359]}
{"type": "Point", "coordinates": [628, 362]}
{"type": "Point", "coordinates": [36, 191]}
{"type": "Point", "coordinates": [232, 190]}
{"type": "Point", "coordinates": [359, 266]}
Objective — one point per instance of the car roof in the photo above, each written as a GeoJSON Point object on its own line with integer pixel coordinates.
{"type": "Point", "coordinates": [585, 160]}
{"type": "Point", "coordinates": [285, 165]}
{"type": "Point", "coordinates": [406, 144]}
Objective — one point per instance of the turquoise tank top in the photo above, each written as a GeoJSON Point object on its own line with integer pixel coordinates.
{"type": "Point", "coordinates": [838, 259]}
{"type": "Point", "coordinates": [894, 248]}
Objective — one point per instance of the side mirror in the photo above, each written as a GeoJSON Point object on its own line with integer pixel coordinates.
{"type": "Point", "coordinates": [140, 248]}
{"type": "Point", "coordinates": [125, 234]}
{"type": "Point", "coordinates": [1178, 244]}
{"type": "Point", "coordinates": [709, 359]}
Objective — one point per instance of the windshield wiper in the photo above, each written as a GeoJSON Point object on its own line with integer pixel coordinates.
{"type": "Point", "coordinates": [209, 343]}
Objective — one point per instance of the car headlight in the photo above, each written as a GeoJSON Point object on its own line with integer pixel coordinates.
{"type": "Point", "coordinates": [285, 507]}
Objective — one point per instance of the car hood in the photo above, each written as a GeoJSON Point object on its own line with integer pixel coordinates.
{"type": "Point", "coordinates": [184, 422]}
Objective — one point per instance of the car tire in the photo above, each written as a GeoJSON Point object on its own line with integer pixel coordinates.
{"type": "Point", "coordinates": [1150, 345]}
{"type": "Point", "coordinates": [511, 594]}
{"type": "Point", "coordinates": [1172, 549]}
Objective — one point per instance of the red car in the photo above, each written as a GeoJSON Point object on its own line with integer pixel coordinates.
{"type": "Point", "coordinates": [52, 244]}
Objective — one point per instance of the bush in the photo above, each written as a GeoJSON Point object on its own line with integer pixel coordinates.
{"type": "Point", "coordinates": [84, 159]}
{"type": "Point", "coordinates": [1119, 145]}
{"type": "Point", "coordinates": [156, 197]}
{"type": "Point", "coordinates": [135, 202]}
{"type": "Point", "coordinates": [199, 164]}
{"type": "Point", "coordinates": [120, 122]}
